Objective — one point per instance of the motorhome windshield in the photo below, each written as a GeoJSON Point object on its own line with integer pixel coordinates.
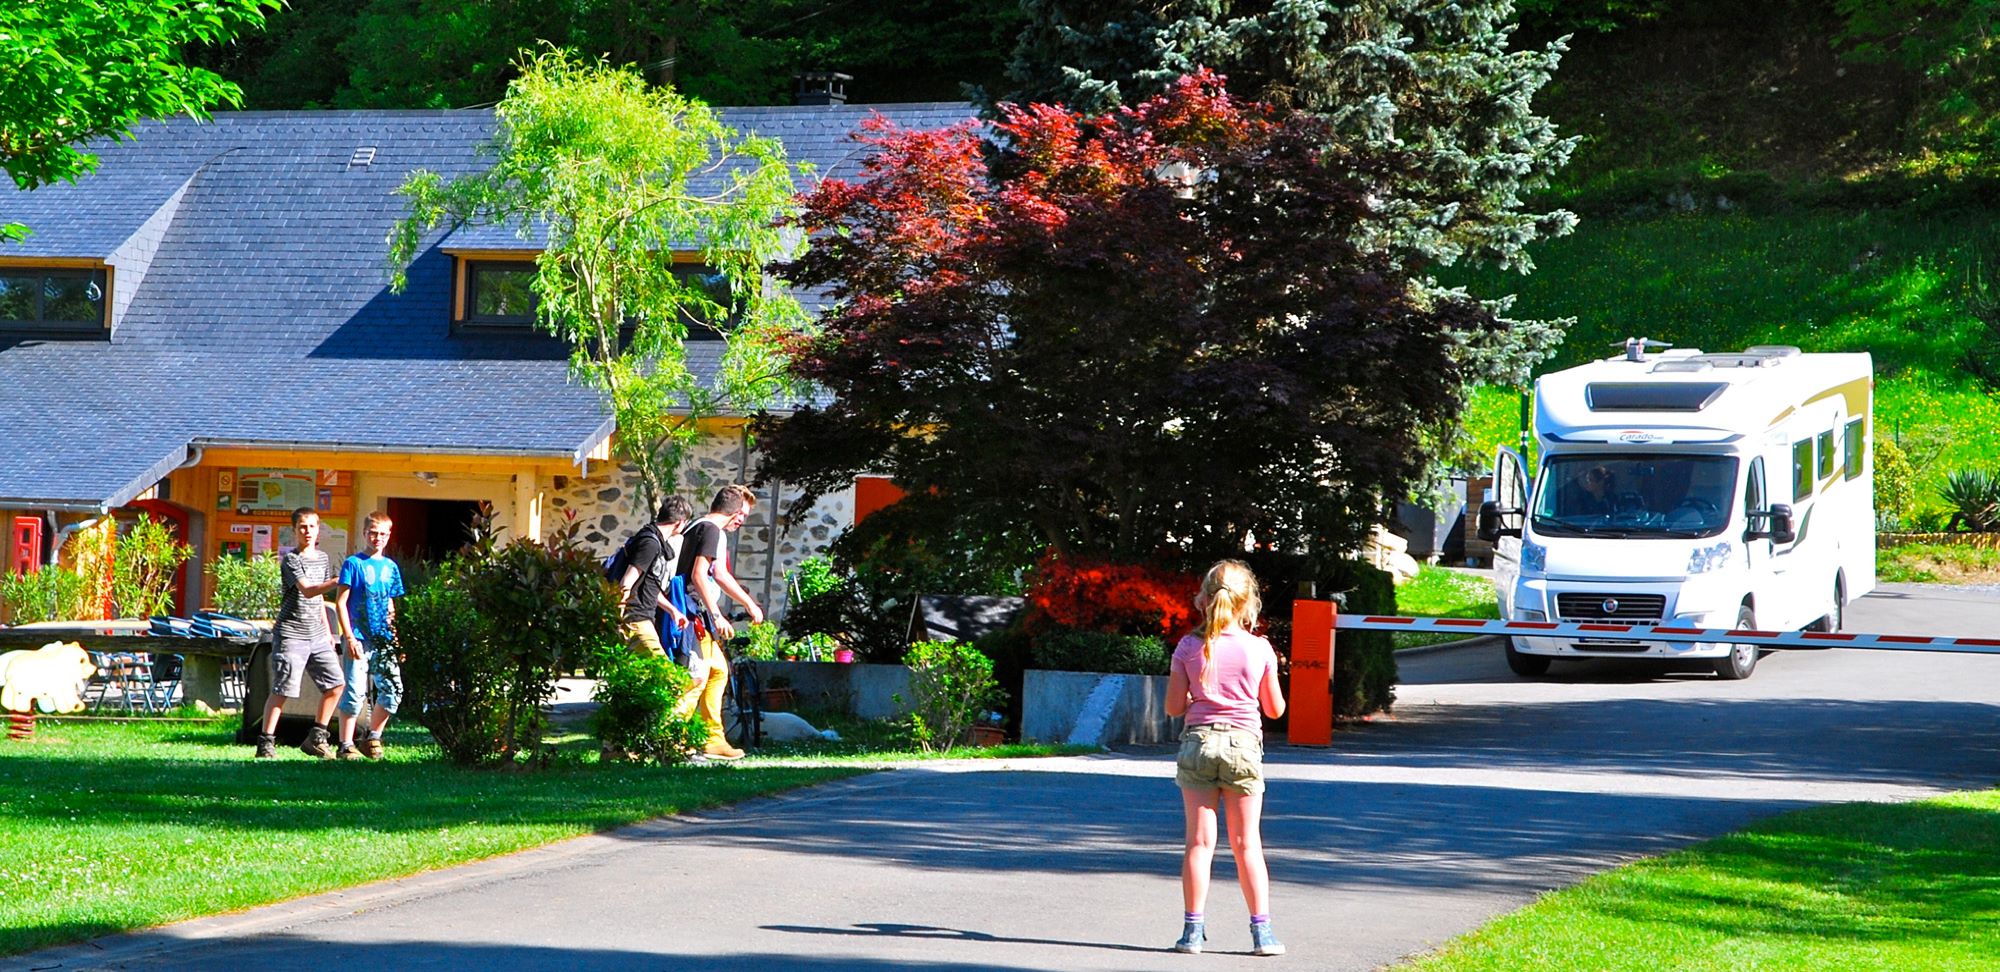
{"type": "Point", "coordinates": [1635, 495]}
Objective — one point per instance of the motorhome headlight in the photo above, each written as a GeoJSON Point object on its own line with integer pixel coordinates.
{"type": "Point", "coordinates": [1701, 560]}
{"type": "Point", "coordinates": [1534, 558]}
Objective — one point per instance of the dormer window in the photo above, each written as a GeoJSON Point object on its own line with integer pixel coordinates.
{"type": "Point", "coordinates": [54, 300]}
{"type": "Point", "coordinates": [716, 286]}
{"type": "Point", "coordinates": [499, 294]}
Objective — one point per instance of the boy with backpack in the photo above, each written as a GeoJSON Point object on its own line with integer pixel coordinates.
{"type": "Point", "coordinates": [641, 570]}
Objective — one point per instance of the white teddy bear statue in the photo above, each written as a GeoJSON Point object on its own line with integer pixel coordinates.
{"type": "Point", "coordinates": [49, 678]}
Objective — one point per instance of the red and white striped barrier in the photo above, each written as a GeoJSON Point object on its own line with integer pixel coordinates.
{"type": "Point", "coordinates": [1611, 631]}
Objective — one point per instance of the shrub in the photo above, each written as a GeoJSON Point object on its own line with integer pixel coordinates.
{"type": "Point", "coordinates": [250, 588]}
{"type": "Point", "coordinates": [50, 594]}
{"type": "Point", "coordinates": [845, 615]}
{"type": "Point", "coordinates": [1070, 650]}
{"type": "Point", "coordinates": [143, 565]}
{"type": "Point", "coordinates": [757, 642]}
{"type": "Point", "coordinates": [951, 683]}
{"type": "Point", "coordinates": [636, 695]}
{"type": "Point", "coordinates": [1364, 662]}
{"type": "Point", "coordinates": [1975, 498]}
{"type": "Point", "coordinates": [495, 627]}
{"type": "Point", "coordinates": [1895, 486]}
{"type": "Point", "coordinates": [447, 668]}
{"type": "Point", "coordinates": [1092, 595]}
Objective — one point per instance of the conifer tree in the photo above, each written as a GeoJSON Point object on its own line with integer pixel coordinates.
{"type": "Point", "coordinates": [1423, 78]}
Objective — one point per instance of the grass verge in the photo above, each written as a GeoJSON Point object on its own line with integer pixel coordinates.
{"type": "Point", "coordinates": [1858, 886]}
{"type": "Point", "coordinates": [1439, 593]}
{"type": "Point", "coordinates": [1937, 563]}
{"type": "Point", "coordinates": [116, 826]}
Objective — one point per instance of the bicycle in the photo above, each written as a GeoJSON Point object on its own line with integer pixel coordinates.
{"type": "Point", "coordinates": [745, 720]}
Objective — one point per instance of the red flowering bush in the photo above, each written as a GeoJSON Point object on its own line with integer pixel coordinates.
{"type": "Point", "coordinates": [1092, 595]}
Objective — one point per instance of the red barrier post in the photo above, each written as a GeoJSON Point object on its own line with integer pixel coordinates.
{"type": "Point", "coordinates": [1312, 674]}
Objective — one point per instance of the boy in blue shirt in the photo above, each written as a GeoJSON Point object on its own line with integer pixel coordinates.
{"type": "Point", "coordinates": [369, 583]}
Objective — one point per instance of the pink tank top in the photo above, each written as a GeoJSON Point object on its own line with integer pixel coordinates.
{"type": "Point", "coordinates": [1230, 698]}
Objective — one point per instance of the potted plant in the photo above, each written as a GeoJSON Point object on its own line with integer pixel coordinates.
{"type": "Point", "coordinates": [778, 694]}
{"type": "Point", "coordinates": [988, 731]}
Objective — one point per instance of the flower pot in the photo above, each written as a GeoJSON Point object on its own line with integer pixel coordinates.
{"type": "Point", "coordinates": [778, 699]}
{"type": "Point", "coordinates": [988, 735]}
{"type": "Point", "coordinates": [844, 656]}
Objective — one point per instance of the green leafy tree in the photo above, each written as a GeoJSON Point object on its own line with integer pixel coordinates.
{"type": "Point", "coordinates": [144, 563]}
{"type": "Point", "coordinates": [619, 176]}
{"type": "Point", "coordinates": [84, 69]}
{"type": "Point", "coordinates": [1436, 84]}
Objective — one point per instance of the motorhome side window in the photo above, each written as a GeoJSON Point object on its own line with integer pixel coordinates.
{"type": "Point", "coordinates": [1753, 489]}
{"type": "Point", "coordinates": [1802, 469]}
{"type": "Point", "coordinates": [1635, 495]}
{"type": "Point", "coordinates": [1825, 468]}
{"type": "Point", "coordinates": [1854, 448]}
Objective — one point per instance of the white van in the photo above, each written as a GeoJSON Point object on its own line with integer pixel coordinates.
{"type": "Point", "coordinates": [1708, 490]}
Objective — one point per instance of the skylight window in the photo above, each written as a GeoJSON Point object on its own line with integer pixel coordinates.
{"type": "Point", "coordinates": [1678, 396]}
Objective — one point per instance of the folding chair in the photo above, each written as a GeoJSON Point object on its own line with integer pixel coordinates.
{"type": "Point", "coordinates": [166, 679]}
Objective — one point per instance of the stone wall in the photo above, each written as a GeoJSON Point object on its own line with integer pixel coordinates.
{"type": "Point", "coordinates": [767, 549]}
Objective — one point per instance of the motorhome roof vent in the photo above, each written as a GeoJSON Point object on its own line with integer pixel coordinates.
{"type": "Point", "coordinates": [1681, 366]}
{"type": "Point", "coordinates": [1652, 396]}
{"type": "Point", "coordinates": [1773, 350]}
{"type": "Point", "coordinates": [1744, 360]}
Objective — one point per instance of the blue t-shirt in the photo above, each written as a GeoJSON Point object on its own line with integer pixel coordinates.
{"type": "Point", "coordinates": [370, 582]}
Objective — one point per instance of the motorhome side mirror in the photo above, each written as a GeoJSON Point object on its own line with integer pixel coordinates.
{"type": "Point", "coordinates": [1781, 524]}
{"type": "Point", "coordinates": [1490, 528]}
{"type": "Point", "coordinates": [1775, 523]}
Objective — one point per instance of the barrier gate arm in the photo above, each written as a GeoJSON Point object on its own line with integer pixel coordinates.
{"type": "Point", "coordinates": [1792, 640]}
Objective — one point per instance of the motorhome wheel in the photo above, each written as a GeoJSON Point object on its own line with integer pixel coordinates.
{"type": "Point", "coordinates": [1525, 665]}
{"type": "Point", "coordinates": [1742, 659]}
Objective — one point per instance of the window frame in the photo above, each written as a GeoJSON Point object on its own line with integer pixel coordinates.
{"type": "Point", "coordinates": [1855, 441]}
{"type": "Point", "coordinates": [1802, 469]}
{"type": "Point", "coordinates": [98, 274]}
{"type": "Point", "coordinates": [469, 318]}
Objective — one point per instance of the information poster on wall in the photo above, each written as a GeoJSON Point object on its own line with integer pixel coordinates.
{"type": "Point", "coordinates": [260, 539]}
{"type": "Point", "coordinates": [274, 490]}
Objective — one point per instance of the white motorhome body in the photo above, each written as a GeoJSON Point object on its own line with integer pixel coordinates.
{"type": "Point", "coordinates": [1710, 490]}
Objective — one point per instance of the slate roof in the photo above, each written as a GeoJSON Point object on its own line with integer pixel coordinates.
{"type": "Point", "coordinates": [263, 314]}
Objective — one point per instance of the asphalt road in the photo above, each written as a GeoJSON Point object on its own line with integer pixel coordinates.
{"type": "Point", "coordinates": [1484, 791]}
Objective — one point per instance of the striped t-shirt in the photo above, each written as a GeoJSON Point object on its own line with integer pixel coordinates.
{"type": "Point", "coordinates": [304, 618]}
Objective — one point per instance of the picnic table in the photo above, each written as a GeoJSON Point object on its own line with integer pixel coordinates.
{"type": "Point", "coordinates": [201, 668]}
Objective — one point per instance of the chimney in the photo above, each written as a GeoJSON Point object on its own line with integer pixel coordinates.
{"type": "Point", "coordinates": [822, 88]}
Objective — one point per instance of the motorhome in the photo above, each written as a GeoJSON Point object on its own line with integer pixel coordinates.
{"type": "Point", "coordinates": [1726, 491]}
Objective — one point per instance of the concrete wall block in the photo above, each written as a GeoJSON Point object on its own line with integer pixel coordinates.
{"type": "Point", "coordinates": [1095, 709]}
{"type": "Point", "coordinates": [863, 690]}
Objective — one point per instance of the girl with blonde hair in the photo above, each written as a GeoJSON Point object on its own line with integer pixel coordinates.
{"type": "Point", "coordinates": [1222, 676]}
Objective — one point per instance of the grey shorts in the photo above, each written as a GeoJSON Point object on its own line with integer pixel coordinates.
{"type": "Point", "coordinates": [292, 660]}
{"type": "Point", "coordinates": [1217, 757]}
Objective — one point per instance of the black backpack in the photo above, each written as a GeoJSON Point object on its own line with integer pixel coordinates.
{"type": "Point", "coordinates": [614, 568]}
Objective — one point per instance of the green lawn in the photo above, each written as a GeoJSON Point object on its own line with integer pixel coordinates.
{"type": "Point", "coordinates": [1858, 886]}
{"type": "Point", "coordinates": [115, 826]}
{"type": "Point", "coordinates": [1439, 593]}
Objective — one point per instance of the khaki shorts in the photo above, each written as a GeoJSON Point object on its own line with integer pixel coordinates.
{"type": "Point", "coordinates": [1217, 757]}
{"type": "Point", "coordinates": [642, 635]}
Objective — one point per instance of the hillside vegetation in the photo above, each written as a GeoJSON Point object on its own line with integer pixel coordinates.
{"type": "Point", "coordinates": [1746, 180]}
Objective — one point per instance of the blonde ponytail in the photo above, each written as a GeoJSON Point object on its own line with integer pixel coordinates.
{"type": "Point", "coordinates": [1228, 597]}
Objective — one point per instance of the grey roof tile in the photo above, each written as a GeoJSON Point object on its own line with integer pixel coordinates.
{"type": "Point", "coordinates": [265, 314]}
